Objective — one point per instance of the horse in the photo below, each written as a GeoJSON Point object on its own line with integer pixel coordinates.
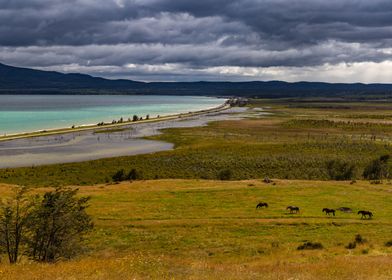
{"type": "Point", "coordinates": [293, 209]}
{"type": "Point", "coordinates": [345, 209]}
{"type": "Point", "coordinates": [365, 213]}
{"type": "Point", "coordinates": [262, 204]}
{"type": "Point", "coordinates": [329, 211]}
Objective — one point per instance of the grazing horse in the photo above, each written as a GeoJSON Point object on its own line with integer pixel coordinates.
{"type": "Point", "coordinates": [262, 204]}
{"type": "Point", "coordinates": [293, 209]}
{"type": "Point", "coordinates": [365, 213]}
{"type": "Point", "coordinates": [345, 209]}
{"type": "Point", "coordinates": [329, 211]}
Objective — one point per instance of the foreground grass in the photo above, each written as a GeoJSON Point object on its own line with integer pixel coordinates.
{"type": "Point", "coordinates": [201, 229]}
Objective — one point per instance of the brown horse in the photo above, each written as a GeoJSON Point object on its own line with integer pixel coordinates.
{"type": "Point", "coordinates": [293, 209]}
{"type": "Point", "coordinates": [365, 213]}
{"type": "Point", "coordinates": [262, 204]}
{"type": "Point", "coordinates": [329, 211]}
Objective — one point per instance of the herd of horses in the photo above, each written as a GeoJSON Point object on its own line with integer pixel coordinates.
{"type": "Point", "coordinates": [295, 210]}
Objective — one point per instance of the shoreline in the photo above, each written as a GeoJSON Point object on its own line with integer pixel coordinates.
{"type": "Point", "coordinates": [88, 127]}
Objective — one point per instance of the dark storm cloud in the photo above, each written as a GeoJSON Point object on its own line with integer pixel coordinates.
{"type": "Point", "coordinates": [192, 35]}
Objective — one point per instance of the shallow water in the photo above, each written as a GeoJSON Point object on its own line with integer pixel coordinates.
{"type": "Point", "coordinates": [87, 145]}
{"type": "Point", "coordinates": [28, 113]}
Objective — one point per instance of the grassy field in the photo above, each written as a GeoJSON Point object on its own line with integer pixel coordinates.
{"type": "Point", "coordinates": [297, 141]}
{"type": "Point", "coordinates": [202, 229]}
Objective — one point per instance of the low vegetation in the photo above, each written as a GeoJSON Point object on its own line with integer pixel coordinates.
{"type": "Point", "coordinates": [200, 229]}
{"type": "Point", "coordinates": [281, 145]}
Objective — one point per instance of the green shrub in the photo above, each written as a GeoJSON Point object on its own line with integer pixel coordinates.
{"type": "Point", "coordinates": [340, 170]}
{"type": "Point", "coordinates": [378, 169]}
{"type": "Point", "coordinates": [225, 174]}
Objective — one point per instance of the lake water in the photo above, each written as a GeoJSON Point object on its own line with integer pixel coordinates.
{"type": "Point", "coordinates": [28, 113]}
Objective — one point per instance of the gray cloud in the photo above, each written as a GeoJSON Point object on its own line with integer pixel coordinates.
{"type": "Point", "coordinates": [190, 40]}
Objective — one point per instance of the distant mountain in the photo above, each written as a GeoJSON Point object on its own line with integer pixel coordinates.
{"type": "Point", "coordinates": [24, 78]}
{"type": "Point", "coordinates": [16, 80]}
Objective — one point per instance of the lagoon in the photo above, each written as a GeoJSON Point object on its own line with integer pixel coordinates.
{"type": "Point", "coordinates": [28, 113]}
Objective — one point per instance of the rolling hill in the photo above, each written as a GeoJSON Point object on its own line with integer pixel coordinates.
{"type": "Point", "coordinates": [17, 80]}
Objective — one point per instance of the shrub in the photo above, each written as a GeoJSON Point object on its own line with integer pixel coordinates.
{"type": "Point", "coordinates": [359, 239]}
{"type": "Point", "coordinates": [14, 217]}
{"type": "Point", "coordinates": [44, 228]}
{"type": "Point", "coordinates": [351, 245]}
{"type": "Point", "coordinates": [388, 243]}
{"type": "Point", "coordinates": [365, 251]}
{"type": "Point", "coordinates": [119, 176]}
{"type": "Point", "coordinates": [134, 175]}
{"type": "Point", "coordinates": [57, 225]}
{"type": "Point", "coordinates": [225, 174]}
{"type": "Point", "coordinates": [310, 246]}
{"type": "Point", "coordinates": [339, 170]}
{"type": "Point", "coordinates": [377, 169]}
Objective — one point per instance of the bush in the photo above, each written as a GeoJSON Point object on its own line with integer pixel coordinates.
{"type": "Point", "coordinates": [57, 225]}
{"type": "Point", "coordinates": [134, 175]}
{"type": "Point", "coordinates": [225, 174]}
{"type": "Point", "coordinates": [365, 251]}
{"type": "Point", "coordinates": [339, 170]}
{"type": "Point", "coordinates": [388, 243]}
{"type": "Point", "coordinates": [351, 245]}
{"type": "Point", "coordinates": [310, 246]}
{"type": "Point", "coordinates": [14, 217]}
{"type": "Point", "coordinates": [44, 228]}
{"type": "Point", "coordinates": [119, 176]}
{"type": "Point", "coordinates": [377, 169]}
{"type": "Point", "coordinates": [359, 239]}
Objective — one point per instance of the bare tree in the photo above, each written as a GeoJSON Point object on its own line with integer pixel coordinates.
{"type": "Point", "coordinates": [14, 216]}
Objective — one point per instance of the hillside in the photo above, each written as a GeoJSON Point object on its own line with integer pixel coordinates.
{"type": "Point", "coordinates": [16, 80]}
{"type": "Point", "coordinates": [200, 229]}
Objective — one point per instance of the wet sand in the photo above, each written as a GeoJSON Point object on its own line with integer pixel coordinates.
{"type": "Point", "coordinates": [89, 145]}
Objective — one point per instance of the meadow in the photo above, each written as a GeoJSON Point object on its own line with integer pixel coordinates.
{"type": "Point", "coordinates": [203, 229]}
{"type": "Point", "coordinates": [298, 140]}
{"type": "Point", "coordinates": [178, 221]}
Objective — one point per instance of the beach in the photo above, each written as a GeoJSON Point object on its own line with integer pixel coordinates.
{"type": "Point", "coordinates": [96, 142]}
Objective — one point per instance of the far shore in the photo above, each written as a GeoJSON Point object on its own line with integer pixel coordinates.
{"type": "Point", "coordinates": [56, 131]}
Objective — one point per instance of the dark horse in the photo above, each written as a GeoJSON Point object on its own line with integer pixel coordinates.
{"type": "Point", "coordinates": [329, 211]}
{"type": "Point", "coordinates": [365, 213]}
{"type": "Point", "coordinates": [262, 204]}
{"type": "Point", "coordinates": [293, 209]}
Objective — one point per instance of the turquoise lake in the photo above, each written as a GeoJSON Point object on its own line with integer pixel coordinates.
{"type": "Point", "coordinates": [28, 113]}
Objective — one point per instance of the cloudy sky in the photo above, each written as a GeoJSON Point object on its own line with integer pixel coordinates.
{"type": "Point", "coordinates": [191, 40]}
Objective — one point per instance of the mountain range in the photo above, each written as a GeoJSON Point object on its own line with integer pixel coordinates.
{"type": "Point", "coordinates": [17, 80]}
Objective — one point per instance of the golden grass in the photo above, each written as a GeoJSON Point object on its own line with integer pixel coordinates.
{"type": "Point", "coordinates": [200, 229]}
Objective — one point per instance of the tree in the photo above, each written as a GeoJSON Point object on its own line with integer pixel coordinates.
{"type": "Point", "coordinates": [339, 170]}
{"type": "Point", "coordinates": [58, 225]}
{"type": "Point", "coordinates": [133, 175]}
{"type": "Point", "coordinates": [119, 176]}
{"type": "Point", "coordinates": [14, 216]}
{"type": "Point", "coordinates": [225, 174]}
{"type": "Point", "coordinates": [135, 118]}
{"type": "Point", "coordinates": [378, 169]}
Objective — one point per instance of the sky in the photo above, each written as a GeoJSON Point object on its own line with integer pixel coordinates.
{"type": "Point", "coordinates": [193, 40]}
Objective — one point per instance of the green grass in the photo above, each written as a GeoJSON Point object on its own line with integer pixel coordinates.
{"type": "Point", "coordinates": [182, 228]}
{"type": "Point", "coordinates": [292, 143]}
